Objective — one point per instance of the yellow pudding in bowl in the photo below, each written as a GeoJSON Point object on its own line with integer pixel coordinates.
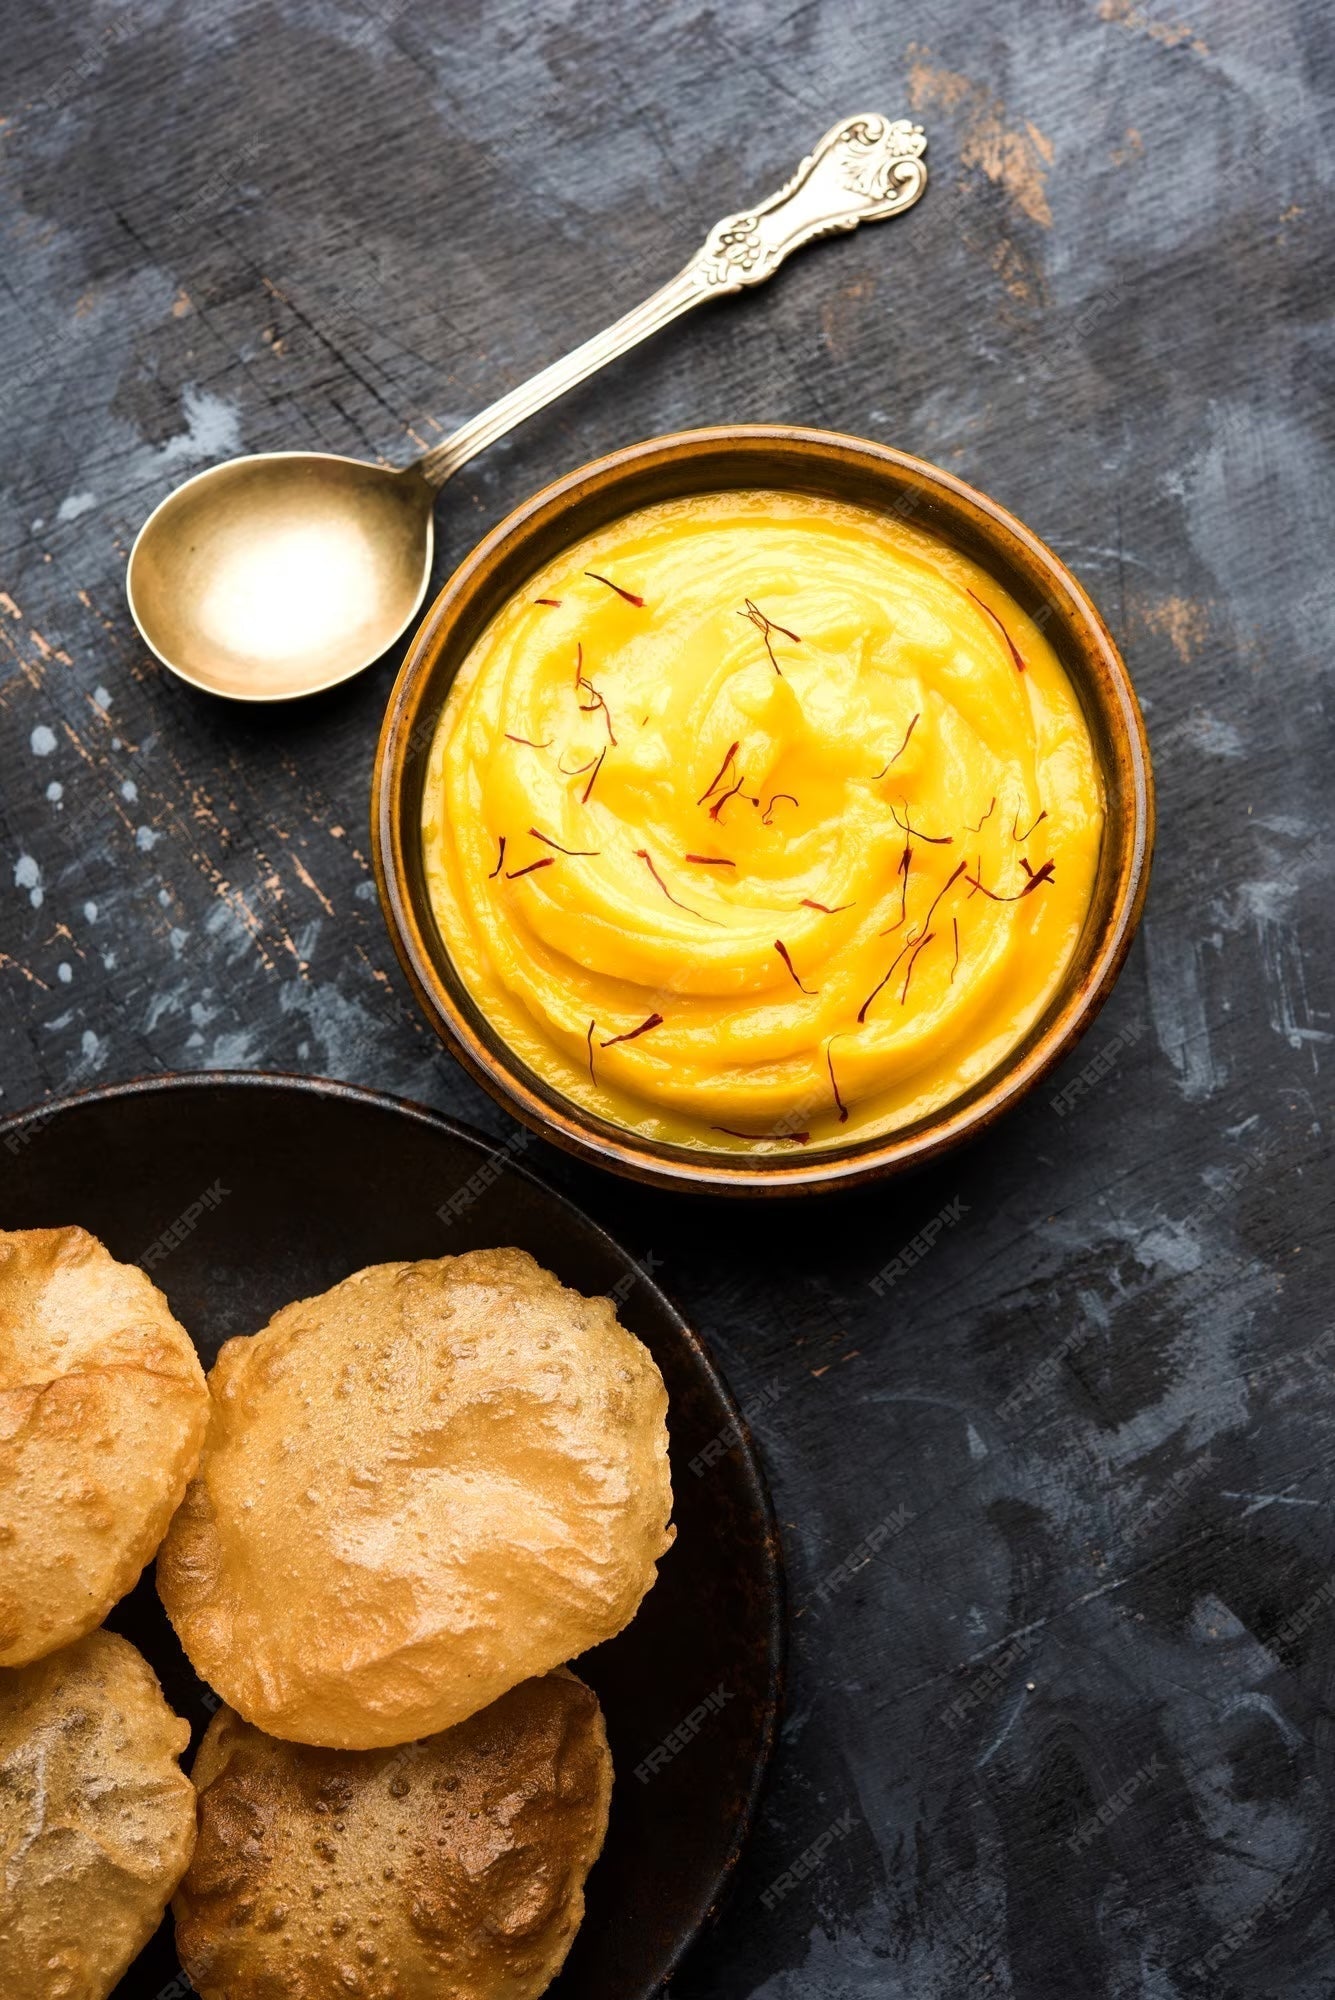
{"type": "Point", "coordinates": [759, 820]}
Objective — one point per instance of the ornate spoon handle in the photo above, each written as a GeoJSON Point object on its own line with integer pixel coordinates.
{"type": "Point", "coordinates": [865, 168]}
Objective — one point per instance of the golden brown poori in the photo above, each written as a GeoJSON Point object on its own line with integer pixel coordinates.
{"type": "Point", "coordinates": [103, 1409]}
{"type": "Point", "coordinates": [453, 1866]}
{"type": "Point", "coordinates": [97, 1819]}
{"type": "Point", "coordinates": [419, 1489]}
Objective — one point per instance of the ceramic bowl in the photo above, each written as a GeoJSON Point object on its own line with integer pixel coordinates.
{"type": "Point", "coordinates": [840, 468]}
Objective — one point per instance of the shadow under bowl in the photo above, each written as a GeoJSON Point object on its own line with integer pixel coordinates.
{"type": "Point", "coordinates": [845, 469]}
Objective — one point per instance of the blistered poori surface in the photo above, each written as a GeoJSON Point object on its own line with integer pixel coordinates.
{"type": "Point", "coordinates": [419, 1489]}
{"type": "Point", "coordinates": [453, 1866]}
{"type": "Point", "coordinates": [97, 1819]}
{"type": "Point", "coordinates": [102, 1413]}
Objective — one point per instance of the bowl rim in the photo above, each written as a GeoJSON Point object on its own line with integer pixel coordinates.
{"type": "Point", "coordinates": [567, 1124]}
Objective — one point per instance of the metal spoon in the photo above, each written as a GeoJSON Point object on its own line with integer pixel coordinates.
{"type": "Point", "coordinates": [286, 572]}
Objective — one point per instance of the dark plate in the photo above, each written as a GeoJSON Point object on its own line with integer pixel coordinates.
{"type": "Point", "coordinates": [319, 1179]}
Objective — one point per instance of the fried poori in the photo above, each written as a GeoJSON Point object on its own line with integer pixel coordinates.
{"type": "Point", "coordinates": [450, 1866]}
{"type": "Point", "coordinates": [103, 1409]}
{"type": "Point", "coordinates": [418, 1489]}
{"type": "Point", "coordinates": [97, 1819]}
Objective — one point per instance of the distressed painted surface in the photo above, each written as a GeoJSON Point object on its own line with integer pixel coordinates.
{"type": "Point", "coordinates": [1057, 1494]}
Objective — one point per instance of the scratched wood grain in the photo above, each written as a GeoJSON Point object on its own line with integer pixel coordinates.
{"type": "Point", "coordinates": [1049, 1428]}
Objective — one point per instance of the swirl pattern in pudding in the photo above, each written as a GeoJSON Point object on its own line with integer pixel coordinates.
{"type": "Point", "coordinates": [758, 819]}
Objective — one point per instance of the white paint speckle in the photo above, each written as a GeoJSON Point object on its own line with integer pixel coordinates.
{"type": "Point", "coordinates": [90, 1044]}
{"type": "Point", "coordinates": [42, 740]}
{"type": "Point", "coordinates": [1212, 735]}
{"type": "Point", "coordinates": [344, 1034]}
{"type": "Point", "coordinates": [365, 892]}
{"type": "Point", "coordinates": [1266, 905]}
{"type": "Point", "coordinates": [103, 699]}
{"type": "Point", "coordinates": [306, 940]}
{"type": "Point", "coordinates": [232, 1051]}
{"type": "Point", "coordinates": [27, 875]}
{"type": "Point", "coordinates": [1170, 1246]}
{"type": "Point", "coordinates": [1094, 1307]}
{"type": "Point", "coordinates": [159, 1007]}
{"type": "Point", "coordinates": [225, 922]}
{"type": "Point", "coordinates": [1266, 1705]}
{"type": "Point", "coordinates": [213, 427]}
{"type": "Point", "coordinates": [977, 1449]}
{"type": "Point", "coordinates": [176, 937]}
{"type": "Point", "coordinates": [55, 791]}
{"type": "Point", "coordinates": [1177, 1007]}
{"type": "Point", "coordinates": [1259, 902]}
{"type": "Point", "coordinates": [212, 430]}
{"type": "Point", "coordinates": [64, 972]}
{"type": "Point", "coordinates": [75, 504]}
{"type": "Point", "coordinates": [90, 912]}
{"type": "Point", "coordinates": [1213, 1624]}
{"type": "Point", "coordinates": [146, 839]}
{"type": "Point", "coordinates": [1003, 1732]}
{"type": "Point", "coordinates": [130, 791]}
{"type": "Point", "coordinates": [1285, 823]}
{"type": "Point", "coordinates": [164, 897]}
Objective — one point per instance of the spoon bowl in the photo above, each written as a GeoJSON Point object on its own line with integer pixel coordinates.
{"type": "Point", "coordinates": [283, 573]}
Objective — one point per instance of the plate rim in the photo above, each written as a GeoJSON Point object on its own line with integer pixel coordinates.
{"type": "Point", "coordinates": [167, 1082]}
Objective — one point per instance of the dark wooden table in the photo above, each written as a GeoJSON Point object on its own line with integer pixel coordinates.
{"type": "Point", "coordinates": [1057, 1493]}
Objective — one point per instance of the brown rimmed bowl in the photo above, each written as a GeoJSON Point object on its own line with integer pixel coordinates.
{"type": "Point", "coordinates": [832, 467]}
